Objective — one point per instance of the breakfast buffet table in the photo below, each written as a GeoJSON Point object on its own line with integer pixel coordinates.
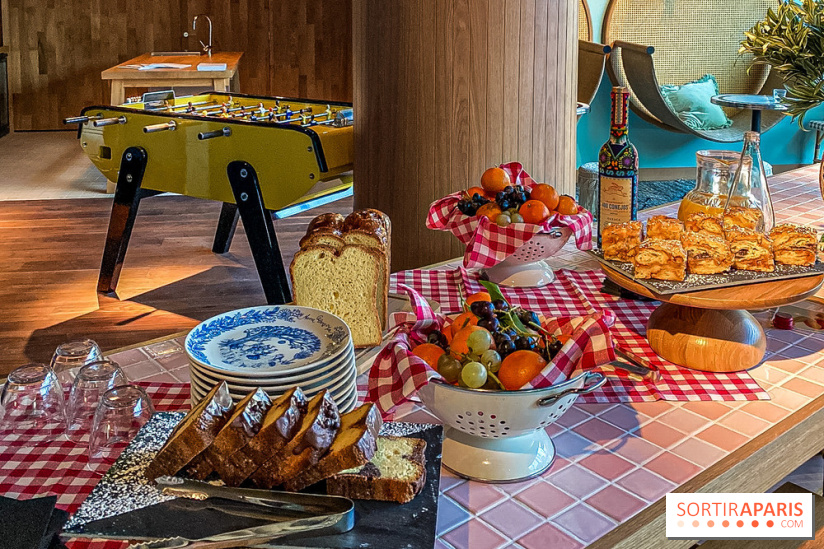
{"type": "Point", "coordinates": [615, 460]}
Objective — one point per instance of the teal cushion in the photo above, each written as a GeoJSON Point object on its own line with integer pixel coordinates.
{"type": "Point", "coordinates": [691, 102]}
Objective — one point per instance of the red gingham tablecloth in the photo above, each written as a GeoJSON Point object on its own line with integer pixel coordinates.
{"type": "Point", "coordinates": [576, 293]}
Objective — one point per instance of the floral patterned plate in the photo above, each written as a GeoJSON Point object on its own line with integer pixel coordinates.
{"type": "Point", "coordinates": [262, 341]}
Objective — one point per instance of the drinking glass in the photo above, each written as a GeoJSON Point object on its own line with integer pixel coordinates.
{"type": "Point", "coordinates": [89, 385]}
{"type": "Point", "coordinates": [71, 355]}
{"type": "Point", "coordinates": [779, 94]}
{"type": "Point", "coordinates": [122, 411]}
{"type": "Point", "coordinates": [31, 403]}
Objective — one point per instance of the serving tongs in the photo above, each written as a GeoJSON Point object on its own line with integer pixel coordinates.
{"type": "Point", "coordinates": [291, 514]}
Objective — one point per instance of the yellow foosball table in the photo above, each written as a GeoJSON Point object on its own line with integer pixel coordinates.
{"type": "Point", "coordinates": [262, 157]}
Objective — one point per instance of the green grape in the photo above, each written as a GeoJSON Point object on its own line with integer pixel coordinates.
{"type": "Point", "coordinates": [492, 360]}
{"type": "Point", "coordinates": [516, 218]}
{"type": "Point", "coordinates": [503, 220]}
{"type": "Point", "coordinates": [473, 357]}
{"type": "Point", "coordinates": [449, 367]}
{"type": "Point", "coordinates": [479, 341]}
{"type": "Point", "coordinates": [474, 375]}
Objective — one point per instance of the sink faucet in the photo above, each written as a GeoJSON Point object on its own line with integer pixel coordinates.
{"type": "Point", "coordinates": [207, 48]}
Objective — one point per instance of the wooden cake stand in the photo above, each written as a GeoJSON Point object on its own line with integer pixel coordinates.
{"type": "Point", "coordinates": [711, 330]}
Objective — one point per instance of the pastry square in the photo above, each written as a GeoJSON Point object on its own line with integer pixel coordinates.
{"type": "Point", "coordinates": [753, 254]}
{"type": "Point", "coordinates": [745, 218]}
{"type": "Point", "coordinates": [661, 227]}
{"type": "Point", "coordinates": [661, 259]}
{"type": "Point", "coordinates": [620, 242]}
{"type": "Point", "coordinates": [794, 244]}
{"type": "Point", "coordinates": [706, 254]}
{"type": "Point", "coordinates": [788, 235]}
{"type": "Point", "coordinates": [699, 222]}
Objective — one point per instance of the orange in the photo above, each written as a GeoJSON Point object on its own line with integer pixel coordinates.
{"type": "Point", "coordinates": [567, 205]}
{"type": "Point", "coordinates": [480, 296]}
{"type": "Point", "coordinates": [534, 211]}
{"type": "Point", "coordinates": [472, 191]}
{"type": "Point", "coordinates": [494, 180]}
{"type": "Point", "coordinates": [458, 345]}
{"type": "Point", "coordinates": [519, 368]}
{"type": "Point", "coordinates": [447, 332]}
{"type": "Point", "coordinates": [429, 352]}
{"type": "Point", "coordinates": [546, 194]}
{"type": "Point", "coordinates": [462, 321]}
{"type": "Point", "coordinates": [490, 210]}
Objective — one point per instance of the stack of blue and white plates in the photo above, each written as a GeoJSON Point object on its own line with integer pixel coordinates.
{"type": "Point", "coordinates": [274, 348]}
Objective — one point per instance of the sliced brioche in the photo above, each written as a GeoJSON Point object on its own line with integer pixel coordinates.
{"type": "Point", "coordinates": [279, 426]}
{"type": "Point", "coordinates": [396, 472]}
{"type": "Point", "coordinates": [194, 433]}
{"type": "Point", "coordinates": [317, 431]}
{"type": "Point", "coordinates": [344, 283]}
{"type": "Point", "coordinates": [243, 424]}
{"type": "Point", "coordinates": [354, 446]}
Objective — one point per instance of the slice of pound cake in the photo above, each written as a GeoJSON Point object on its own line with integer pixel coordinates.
{"type": "Point", "coordinates": [397, 472]}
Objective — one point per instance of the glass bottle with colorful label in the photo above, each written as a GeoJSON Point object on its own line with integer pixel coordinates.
{"type": "Point", "coordinates": [617, 169]}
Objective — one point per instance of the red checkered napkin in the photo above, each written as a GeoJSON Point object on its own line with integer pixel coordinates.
{"type": "Point", "coordinates": [397, 373]}
{"type": "Point", "coordinates": [487, 244]}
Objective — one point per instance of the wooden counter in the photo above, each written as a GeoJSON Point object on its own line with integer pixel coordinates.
{"type": "Point", "coordinates": [125, 75]}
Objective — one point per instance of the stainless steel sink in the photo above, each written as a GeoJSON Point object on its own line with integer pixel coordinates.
{"type": "Point", "coordinates": [174, 53]}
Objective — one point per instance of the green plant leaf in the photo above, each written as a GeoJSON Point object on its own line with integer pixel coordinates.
{"type": "Point", "coordinates": [493, 289]}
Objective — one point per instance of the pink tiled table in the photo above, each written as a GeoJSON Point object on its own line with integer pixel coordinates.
{"type": "Point", "coordinates": [616, 462]}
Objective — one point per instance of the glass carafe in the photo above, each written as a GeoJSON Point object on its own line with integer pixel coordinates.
{"type": "Point", "coordinates": [749, 185]}
{"type": "Point", "coordinates": [715, 171]}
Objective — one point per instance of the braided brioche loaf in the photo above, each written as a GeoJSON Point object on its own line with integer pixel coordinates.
{"type": "Point", "coordinates": [343, 268]}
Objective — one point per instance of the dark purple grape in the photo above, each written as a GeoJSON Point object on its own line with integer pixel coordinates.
{"type": "Point", "coordinates": [500, 305]}
{"type": "Point", "coordinates": [505, 204]}
{"type": "Point", "coordinates": [520, 197]}
{"type": "Point", "coordinates": [500, 196]}
{"type": "Point", "coordinates": [554, 347]}
{"type": "Point", "coordinates": [528, 317]}
{"type": "Point", "coordinates": [508, 189]}
{"type": "Point", "coordinates": [506, 347]}
{"type": "Point", "coordinates": [499, 337]}
{"type": "Point", "coordinates": [482, 309]}
{"type": "Point", "coordinates": [437, 337]}
{"type": "Point", "coordinates": [524, 343]}
{"type": "Point", "coordinates": [511, 333]}
{"type": "Point", "coordinates": [491, 324]}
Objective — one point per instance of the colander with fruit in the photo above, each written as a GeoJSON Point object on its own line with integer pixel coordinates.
{"type": "Point", "coordinates": [510, 224]}
{"type": "Point", "coordinates": [496, 376]}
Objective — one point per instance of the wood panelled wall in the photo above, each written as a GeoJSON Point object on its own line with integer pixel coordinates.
{"type": "Point", "coordinates": [446, 88]}
{"type": "Point", "coordinates": [297, 48]}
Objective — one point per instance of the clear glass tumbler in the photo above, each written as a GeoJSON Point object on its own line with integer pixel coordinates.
{"type": "Point", "coordinates": [122, 411]}
{"type": "Point", "coordinates": [31, 403]}
{"type": "Point", "coordinates": [89, 385]}
{"type": "Point", "coordinates": [74, 354]}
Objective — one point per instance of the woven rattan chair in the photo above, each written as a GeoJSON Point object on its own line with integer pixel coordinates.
{"type": "Point", "coordinates": [690, 38]}
{"type": "Point", "coordinates": [591, 60]}
{"type": "Point", "coordinates": [584, 21]}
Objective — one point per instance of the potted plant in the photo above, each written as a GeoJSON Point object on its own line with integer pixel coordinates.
{"type": "Point", "coordinates": [790, 39]}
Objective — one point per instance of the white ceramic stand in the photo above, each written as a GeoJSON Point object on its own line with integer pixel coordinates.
{"type": "Point", "coordinates": [498, 460]}
{"type": "Point", "coordinates": [526, 267]}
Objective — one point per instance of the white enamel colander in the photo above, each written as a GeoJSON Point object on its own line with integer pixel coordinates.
{"type": "Point", "coordinates": [500, 436]}
{"type": "Point", "coordinates": [527, 266]}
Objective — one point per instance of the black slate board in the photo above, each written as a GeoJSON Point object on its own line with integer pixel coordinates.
{"type": "Point", "coordinates": [377, 524]}
{"type": "Point", "coordinates": [694, 282]}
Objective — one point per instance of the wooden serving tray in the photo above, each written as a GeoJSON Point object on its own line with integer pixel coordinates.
{"type": "Point", "coordinates": [694, 282]}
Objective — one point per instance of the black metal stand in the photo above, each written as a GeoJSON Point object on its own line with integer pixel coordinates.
{"type": "Point", "coordinates": [756, 121]}
{"type": "Point", "coordinates": [124, 210]}
{"type": "Point", "coordinates": [226, 226]}
{"type": "Point", "coordinates": [257, 222]}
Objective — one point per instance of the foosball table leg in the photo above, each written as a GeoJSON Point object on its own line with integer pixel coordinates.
{"type": "Point", "coordinates": [226, 226]}
{"type": "Point", "coordinates": [124, 210]}
{"type": "Point", "coordinates": [260, 231]}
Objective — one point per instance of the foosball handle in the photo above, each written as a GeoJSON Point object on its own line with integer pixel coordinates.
{"type": "Point", "coordinates": [224, 132]}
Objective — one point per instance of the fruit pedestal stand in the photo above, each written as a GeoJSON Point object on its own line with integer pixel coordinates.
{"type": "Point", "coordinates": [711, 330]}
{"type": "Point", "coordinates": [512, 255]}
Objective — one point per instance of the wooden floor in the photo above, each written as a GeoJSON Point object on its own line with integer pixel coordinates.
{"type": "Point", "coordinates": [50, 252]}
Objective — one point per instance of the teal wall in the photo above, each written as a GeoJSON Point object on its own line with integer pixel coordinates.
{"type": "Point", "coordinates": [657, 148]}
